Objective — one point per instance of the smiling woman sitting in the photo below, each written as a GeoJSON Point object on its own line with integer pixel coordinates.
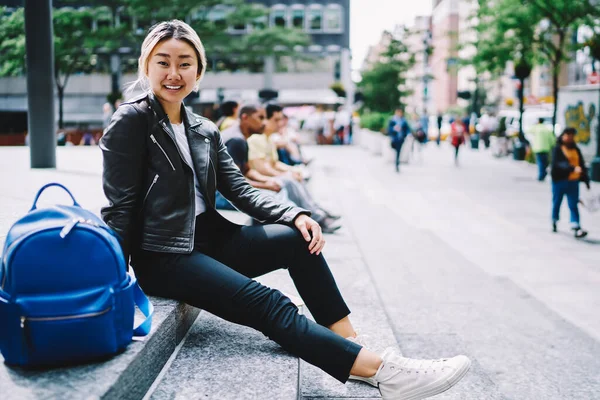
{"type": "Point", "coordinates": [162, 167]}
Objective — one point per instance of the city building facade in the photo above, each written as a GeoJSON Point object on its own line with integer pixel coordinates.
{"type": "Point", "coordinates": [326, 61]}
{"type": "Point", "coordinates": [444, 60]}
{"type": "Point", "coordinates": [419, 77]}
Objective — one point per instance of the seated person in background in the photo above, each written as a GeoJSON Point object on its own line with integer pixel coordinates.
{"type": "Point", "coordinates": [288, 146]}
{"type": "Point", "coordinates": [87, 139]}
{"type": "Point", "coordinates": [229, 114]}
{"type": "Point", "coordinates": [263, 155]}
{"type": "Point", "coordinates": [252, 120]}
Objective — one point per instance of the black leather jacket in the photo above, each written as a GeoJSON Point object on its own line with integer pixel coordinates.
{"type": "Point", "coordinates": [150, 188]}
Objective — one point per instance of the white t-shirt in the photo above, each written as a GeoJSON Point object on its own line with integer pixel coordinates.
{"type": "Point", "coordinates": [184, 149]}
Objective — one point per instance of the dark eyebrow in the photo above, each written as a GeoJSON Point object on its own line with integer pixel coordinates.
{"type": "Point", "coordinates": [168, 56]}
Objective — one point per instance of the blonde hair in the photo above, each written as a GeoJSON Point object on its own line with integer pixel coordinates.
{"type": "Point", "coordinates": [174, 29]}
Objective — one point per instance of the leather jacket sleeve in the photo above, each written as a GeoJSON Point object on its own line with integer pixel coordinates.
{"type": "Point", "coordinates": [232, 184]}
{"type": "Point", "coordinates": [124, 160]}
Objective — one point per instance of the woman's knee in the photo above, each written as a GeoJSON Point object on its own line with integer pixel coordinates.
{"type": "Point", "coordinates": [266, 309]}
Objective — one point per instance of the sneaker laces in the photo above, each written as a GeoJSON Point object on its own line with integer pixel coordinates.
{"type": "Point", "coordinates": [419, 365]}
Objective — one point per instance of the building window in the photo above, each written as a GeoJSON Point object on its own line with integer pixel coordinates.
{"type": "Point", "coordinates": [103, 18]}
{"type": "Point", "coordinates": [124, 19]}
{"type": "Point", "coordinates": [315, 19]}
{"type": "Point", "coordinates": [333, 18]}
{"type": "Point", "coordinates": [218, 16]}
{"type": "Point", "coordinates": [298, 18]}
{"type": "Point", "coordinates": [260, 23]}
{"type": "Point", "coordinates": [279, 16]}
{"type": "Point", "coordinates": [238, 28]}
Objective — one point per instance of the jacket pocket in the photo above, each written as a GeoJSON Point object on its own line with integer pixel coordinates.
{"type": "Point", "coordinates": [163, 151]}
{"type": "Point", "coordinates": [149, 190]}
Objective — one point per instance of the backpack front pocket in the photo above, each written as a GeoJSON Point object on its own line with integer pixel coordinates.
{"type": "Point", "coordinates": [69, 329]}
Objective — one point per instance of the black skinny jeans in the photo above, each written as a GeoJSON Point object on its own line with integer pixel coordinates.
{"type": "Point", "coordinates": [216, 277]}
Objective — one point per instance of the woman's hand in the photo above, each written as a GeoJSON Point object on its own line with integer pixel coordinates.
{"type": "Point", "coordinates": [311, 232]}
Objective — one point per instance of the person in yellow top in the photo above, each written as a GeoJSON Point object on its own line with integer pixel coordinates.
{"type": "Point", "coordinates": [263, 157]}
{"type": "Point", "coordinates": [542, 142]}
{"type": "Point", "coordinates": [229, 118]}
{"type": "Point", "coordinates": [568, 169]}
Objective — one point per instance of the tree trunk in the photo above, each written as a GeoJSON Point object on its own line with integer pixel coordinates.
{"type": "Point", "coordinates": [521, 109]}
{"type": "Point", "coordinates": [499, 98]}
{"type": "Point", "coordinates": [555, 72]}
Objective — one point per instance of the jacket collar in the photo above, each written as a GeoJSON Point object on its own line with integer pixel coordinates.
{"type": "Point", "coordinates": [189, 119]}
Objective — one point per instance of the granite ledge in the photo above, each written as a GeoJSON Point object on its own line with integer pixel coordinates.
{"type": "Point", "coordinates": [128, 375]}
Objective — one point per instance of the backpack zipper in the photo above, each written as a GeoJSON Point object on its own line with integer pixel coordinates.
{"type": "Point", "coordinates": [25, 325]}
{"type": "Point", "coordinates": [69, 227]}
{"type": "Point", "coordinates": [64, 317]}
{"type": "Point", "coordinates": [27, 236]}
{"type": "Point", "coordinates": [163, 150]}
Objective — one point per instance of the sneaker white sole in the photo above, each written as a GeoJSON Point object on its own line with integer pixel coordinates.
{"type": "Point", "coordinates": [439, 386]}
{"type": "Point", "coordinates": [370, 381]}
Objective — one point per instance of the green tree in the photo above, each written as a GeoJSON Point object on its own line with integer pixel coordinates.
{"type": "Point", "coordinates": [72, 53]}
{"type": "Point", "coordinates": [517, 23]}
{"type": "Point", "coordinates": [506, 31]}
{"type": "Point", "coordinates": [79, 49]}
{"type": "Point", "coordinates": [561, 17]}
{"type": "Point", "coordinates": [382, 85]}
{"type": "Point", "coordinates": [491, 52]}
{"type": "Point", "coordinates": [211, 19]}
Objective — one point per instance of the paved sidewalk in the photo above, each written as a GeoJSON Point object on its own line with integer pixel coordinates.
{"type": "Point", "coordinates": [462, 260]}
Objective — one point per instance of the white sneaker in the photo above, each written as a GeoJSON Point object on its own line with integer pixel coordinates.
{"type": "Point", "coordinates": [402, 378]}
{"type": "Point", "coordinates": [362, 341]}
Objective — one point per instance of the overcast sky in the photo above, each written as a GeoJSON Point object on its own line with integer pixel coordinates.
{"type": "Point", "coordinates": [371, 17]}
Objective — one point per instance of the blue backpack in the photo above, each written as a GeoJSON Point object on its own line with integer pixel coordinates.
{"type": "Point", "coordinates": [65, 294]}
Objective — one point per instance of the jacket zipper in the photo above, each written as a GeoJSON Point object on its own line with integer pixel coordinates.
{"type": "Point", "coordinates": [150, 189]}
{"type": "Point", "coordinates": [163, 150]}
{"type": "Point", "coordinates": [193, 194]}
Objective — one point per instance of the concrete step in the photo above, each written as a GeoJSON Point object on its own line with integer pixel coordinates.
{"type": "Point", "coordinates": [126, 376]}
{"type": "Point", "coordinates": [221, 360]}
{"type": "Point", "coordinates": [368, 317]}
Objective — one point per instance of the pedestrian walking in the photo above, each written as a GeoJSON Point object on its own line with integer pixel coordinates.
{"type": "Point", "coordinates": [398, 130]}
{"type": "Point", "coordinates": [440, 119]}
{"type": "Point", "coordinates": [458, 136]}
{"type": "Point", "coordinates": [543, 140]}
{"type": "Point", "coordinates": [568, 169]}
{"type": "Point", "coordinates": [162, 165]}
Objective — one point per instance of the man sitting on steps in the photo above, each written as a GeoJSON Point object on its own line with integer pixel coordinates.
{"type": "Point", "coordinates": [252, 120]}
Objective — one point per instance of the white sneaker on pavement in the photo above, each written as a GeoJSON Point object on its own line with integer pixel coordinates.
{"type": "Point", "coordinates": [402, 378]}
{"type": "Point", "coordinates": [362, 340]}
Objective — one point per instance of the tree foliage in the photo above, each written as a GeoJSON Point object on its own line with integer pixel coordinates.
{"type": "Point", "coordinates": [382, 85]}
{"type": "Point", "coordinates": [82, 47]}
{"type": "Point", "coordinates": [560, 18]}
